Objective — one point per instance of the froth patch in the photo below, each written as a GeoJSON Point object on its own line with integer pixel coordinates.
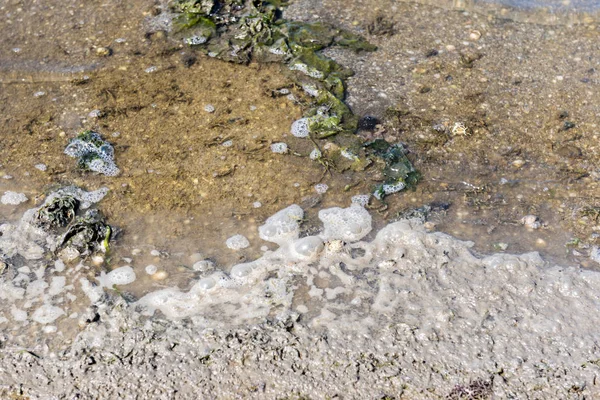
{"type": "Point", "coordinates": [13, 198]}
{"type": "Point", "coordinates": [348, 224]}
{"type": "Point", "coordinates": [283, 226]}
{"type": "Point", "coordinates": [47, 314]}
{"type": "Point", "coordinates": [119, 276]}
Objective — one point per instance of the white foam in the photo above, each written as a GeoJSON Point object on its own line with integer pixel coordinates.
{"type": "Point", "coordinates": [151, 269]}
{"type": "Point", "coordinates": [280, 148]}
{"type": "Point", "coordinates": [119, 276]}
{"type": "Point", "coordinates": [300, 128]}
{"type": "Point", "coordinates": [237, 242]}
{"type": "Point", "coordinates": [47, 313]}
{"type": "Point", "coordinates": [57, 285]}
{"type": "Point", "coordinates": [315, 154]}
{"type": "Point", "coordinates": [18, 314]}
{"type": "Point", "coordinates": [283, 226]}
{"type": "Point", "coordinates": [94, 293]}
{"type": "Point", "coordinates": [321, 188]}
{"type": "Point", "coordinates": [348, 224]}
{"type": "Point", "coordinates": [203, 265]}
{"type": "Point", "coordinates": [361, 199]}
{"type": "Point", "coordinates": [13, 198]}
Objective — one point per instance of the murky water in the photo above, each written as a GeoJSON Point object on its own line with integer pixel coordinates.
{"type": "Point", "coordinates": [191, 178]}
{"type": "Point", "coordinates": [496, 101]}
{"type": "Point", "coordinates": [550, 12]}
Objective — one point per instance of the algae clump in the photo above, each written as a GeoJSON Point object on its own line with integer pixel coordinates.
{"type": "Point", "coordinates": [240, 31]}
{"type": "Point", "coordinates": [93, 153]}
{"type": "Point", "coordinates": [243, 30]}
{"type": "Point", "coordinates": [398, 171]}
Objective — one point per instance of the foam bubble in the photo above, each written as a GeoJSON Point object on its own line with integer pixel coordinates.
{"type": "Point", "coordinates": [206, 283]}
{"type": "Point", "coordinates": [47, 314]}
{"type": "Point", "coordinates": [13, 198]}
{"type": "Point", "coordinates": [311, 90]}
{"type": "Point", "coordinates": [203, 265]}
{"type": "Point", "coordinates": [241, 270]}
{"type": "Point", "coordinates": [119, 276]}
{"type": "Point", "coordinates": [279, 148]}
{"type": "Point", "coordinates": [308, 247]}
{"type": "Point", "coordinates": [315, 154]}
{"type": "Point", "coordinates": [237, 242]}
{"type": "Point", "coordinates": [349, 224]}
{"type": "Point", "coordinates": [361, 199]}
{"type": "Point", "coordinates": [283, 226]}
{"type": "Point", "coordinates": [195, 40]}
{"type": "Point", "coordinates": [300, 128]}
{"type": "Point", "coordinates": [93, 153]}
{"type": "Point", "coordinates": [390, 189]}
{"type": "Point", "coordinates": [321, 188]}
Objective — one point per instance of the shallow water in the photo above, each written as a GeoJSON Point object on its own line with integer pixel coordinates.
{"type": "Point", "coordinates": [546, 12]}
{"type": "Point", "coordinates": [183, 190]}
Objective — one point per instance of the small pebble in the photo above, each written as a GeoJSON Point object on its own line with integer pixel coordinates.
{"type": "Point", "coordinates": [41, 167]}
{"type": "Point", "coordinates": [151, 69]}
{"type": "Point", "coordinates": [160, 275]}
{"type": "Point", "coordinates": [95, 114]}
{"type": "Point", "coordinates": [209, 108]}
{"type": "Point", "coordinates": [97, 260]}
{"type": "Point", "coordinates": [474, 35]}
{"type": "Point", "coordinates": [103, 51]}
{"type": "Point", "coordinates": [531, 222]}
{"type": "Point", "coordinates": [518, 163]}
{"type": "Point", "coordinates": [155, 253]}
{"type": "Point", "coordinates": [151, 269]}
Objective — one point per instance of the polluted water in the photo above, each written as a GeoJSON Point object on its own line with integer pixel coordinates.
{"type": "Point", "coordinates": [299, 200]}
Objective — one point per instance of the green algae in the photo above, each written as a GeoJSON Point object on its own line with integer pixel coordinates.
{"type": "Point", "coordinates": [88, 233]}
{"type": "Point", "coordinates": [398, 171]}
{"type": "Point", "coordinates": [92, 153]}
{"type": "Point", "coordinates": [57, 213]}
{"type": "Point", "coordinates": [240, 31]}
{"type": "Point", "coordinates": [244, 30]}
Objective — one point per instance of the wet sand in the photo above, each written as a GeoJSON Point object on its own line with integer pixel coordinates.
{"type": "Point", "coordinates": [526, 94]}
